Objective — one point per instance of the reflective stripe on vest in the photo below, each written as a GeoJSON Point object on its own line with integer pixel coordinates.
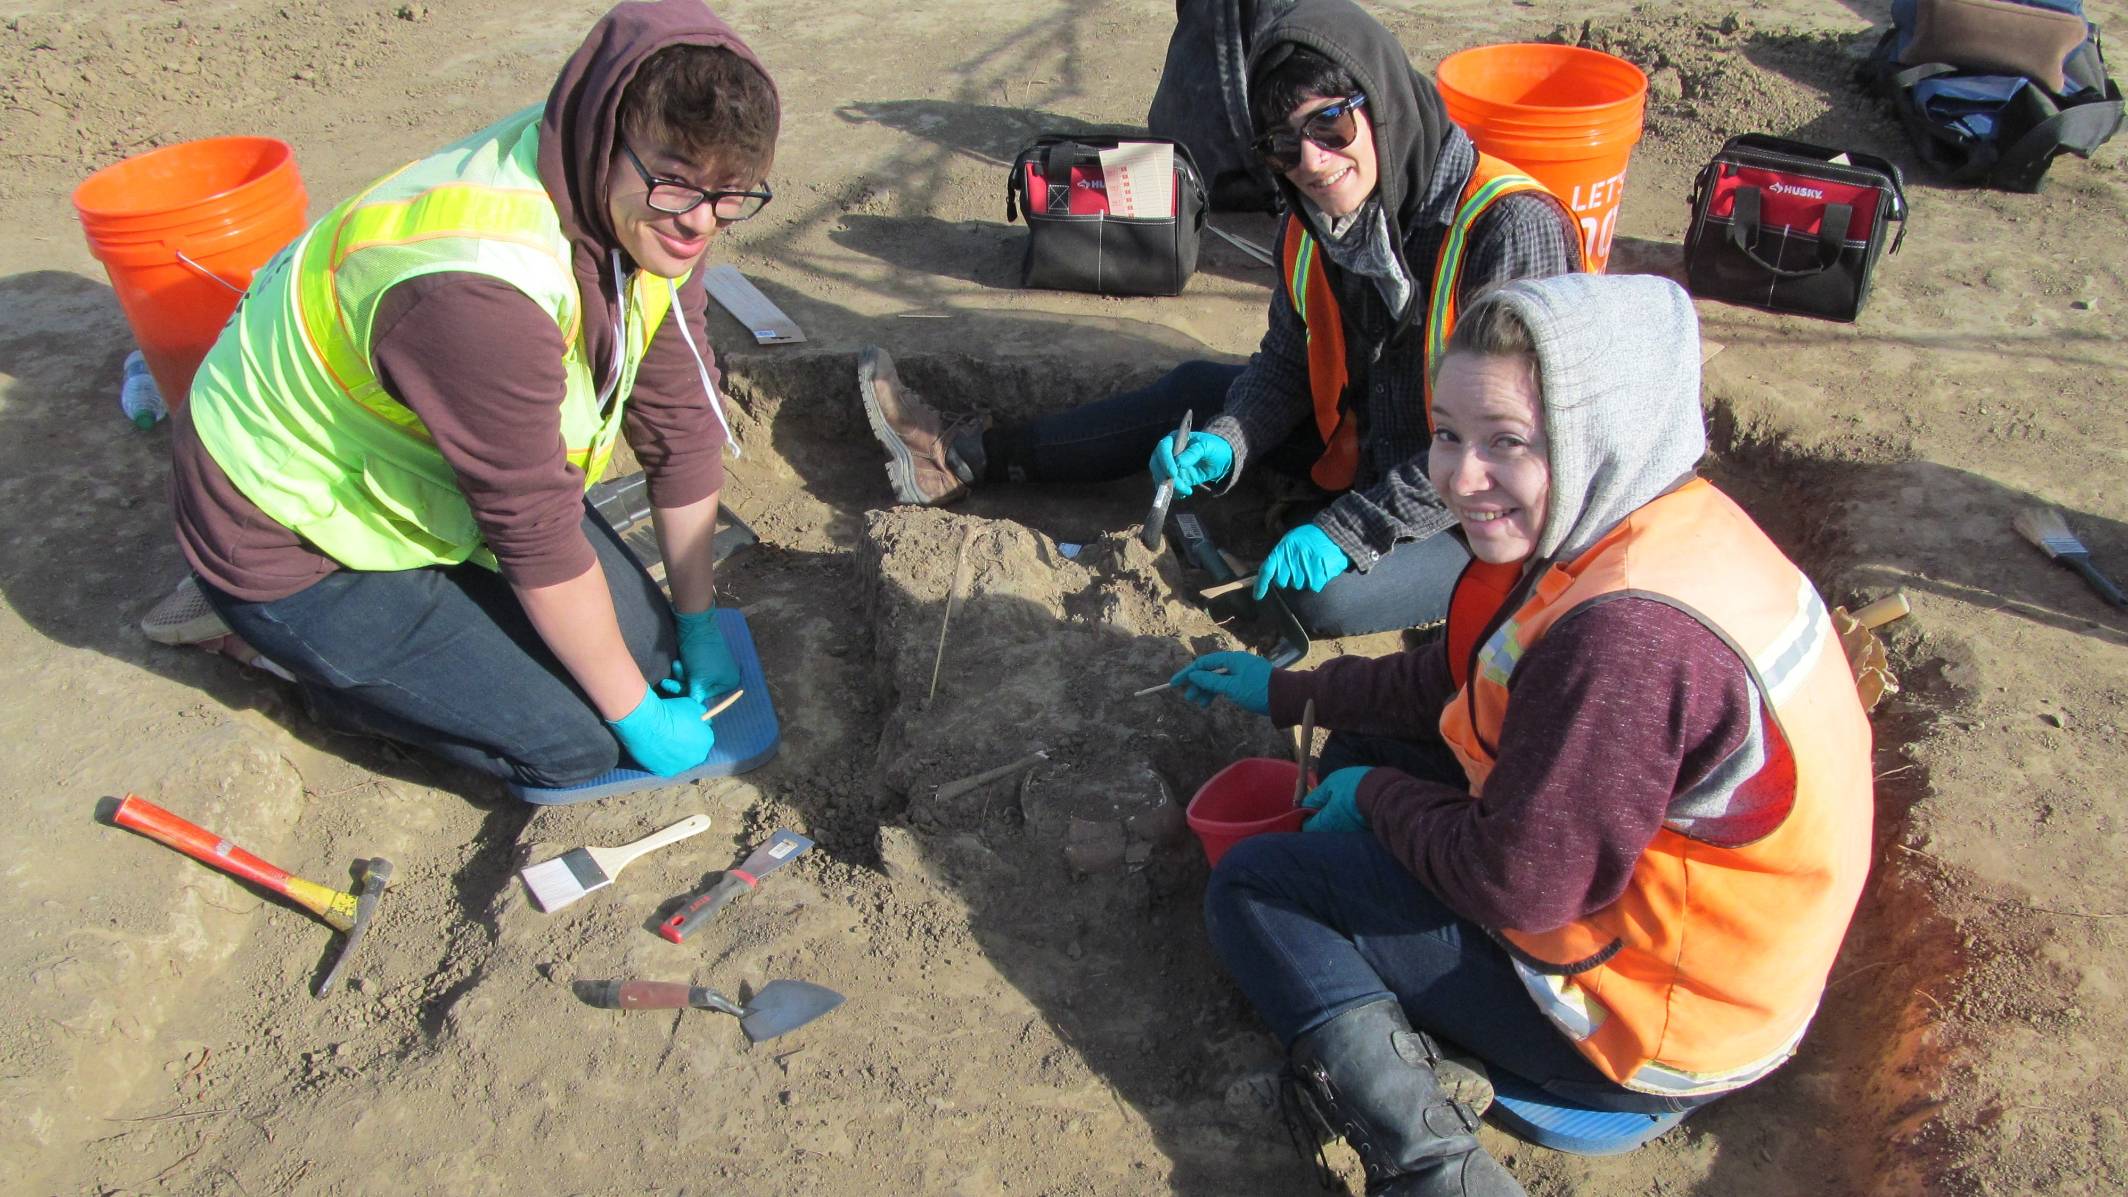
{"type": "Point", "coordinates": [1308, 289]}
{"type": "Point", "coordinates": [287, 401]}
{"type": "Point", "coordinates": [1702, 975]}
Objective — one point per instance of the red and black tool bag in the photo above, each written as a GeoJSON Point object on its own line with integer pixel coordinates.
{"type": "Point", "coordinates": [1791, 227]}
{"type": "Point", "coordinates": [1074, 244]}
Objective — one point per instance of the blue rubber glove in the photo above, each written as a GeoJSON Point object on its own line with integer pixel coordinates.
{"type": "Point", "coordinates": [1243, 679]}
{"type": "Point", "coordinates": [1204, 460]}
{"type": "Point", "coordinates": [1304, 559]}
{"type": "Point", "coordinates": [705, 669]}
{"type": "Point", "coordinates": [667, 736]}
{"type": "Point", "coordinates": [1336, 802]}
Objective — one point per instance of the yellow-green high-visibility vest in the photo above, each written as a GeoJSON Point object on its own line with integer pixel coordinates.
{"type": "Point", "coordinates": [287, 402]}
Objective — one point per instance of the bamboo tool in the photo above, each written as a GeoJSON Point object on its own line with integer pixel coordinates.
{"type": "Point", "coordinates": [1304, 750]}
{"type": "Point", "coordinates": [945, 619]}
{"type": "Point", "coordinates": [342, 911]}
{"type": "Point", "coordinates": [1164, 494]}
{"type": "Point", "coordinates": [1166, 685]}
{"type": "Point", "coordinates": [2047, 528]}
{"type": "Point", "coordinates": [558, 882]}
{"type": "Point", "coordinates": [723, 705]}
{"type": "Point", "coordinates": [1212, 592]}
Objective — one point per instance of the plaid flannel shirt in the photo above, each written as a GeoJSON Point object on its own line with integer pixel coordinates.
{"type": "Point", "coordinates": [1391, 500]}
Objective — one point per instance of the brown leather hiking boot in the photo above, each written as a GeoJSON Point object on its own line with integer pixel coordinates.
{"type": "Point", "coordinates": [921, 462]}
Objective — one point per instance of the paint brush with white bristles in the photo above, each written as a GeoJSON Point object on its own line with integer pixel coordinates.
{"type": "Point", "coordinates": [558, 882]}
{"type": "Point", "coordinates": [2045, 527]}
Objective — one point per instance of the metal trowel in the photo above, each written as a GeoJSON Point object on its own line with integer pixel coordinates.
{"type": "Point", "coordinates": [778, 1008]}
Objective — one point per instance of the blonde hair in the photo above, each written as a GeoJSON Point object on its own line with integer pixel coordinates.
{"type": "Point", "coordinates": [1490, 327]}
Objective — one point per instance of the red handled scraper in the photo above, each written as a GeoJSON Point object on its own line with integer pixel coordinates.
{"type": "Point", "coordinates": [781, 849]}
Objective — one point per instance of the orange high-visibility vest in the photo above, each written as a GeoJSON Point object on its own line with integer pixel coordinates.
{"type": "Point", "coordinates": [1308, 288]}
{"type": "Point", "coordinates": [1705, 971]}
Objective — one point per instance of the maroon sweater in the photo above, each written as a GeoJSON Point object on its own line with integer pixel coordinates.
{"type": "Point", "coordinates": [1618, 709]}
{"type": "Point", "coordinates": [481, 364]}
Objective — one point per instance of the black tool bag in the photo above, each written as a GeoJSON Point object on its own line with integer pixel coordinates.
{"type": "Point", "coordinates": [1791, 227]}
{"type": "Point", "coordinates": [1074, 244]}
{"type": "Point", "coordinates": [1987, 102]}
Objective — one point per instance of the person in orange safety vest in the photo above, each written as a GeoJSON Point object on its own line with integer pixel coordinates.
{"type": "Point", "coordinates": [1394, 217]}
{"type": "Point", "coordinates": [1605, 834]}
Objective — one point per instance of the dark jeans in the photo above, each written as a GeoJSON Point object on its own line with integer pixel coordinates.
{"type": "Point", "coordinates": [445, 659]}
{"type": "Point", "coordinates": [1314, 924]}
{"type": "Point", "coordinates": [1113, 438]}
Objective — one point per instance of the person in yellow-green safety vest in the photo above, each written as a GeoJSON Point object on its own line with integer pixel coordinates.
{"type": "Point", "coordinates": [380, 473]}
{"type": "Point", "coordinates": [1393, 219]}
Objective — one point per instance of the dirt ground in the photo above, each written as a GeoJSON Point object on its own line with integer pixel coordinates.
{"type": "Point", "coordinates": [1031, 1005]}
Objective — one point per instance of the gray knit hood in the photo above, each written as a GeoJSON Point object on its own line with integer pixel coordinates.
{"type": "Point", "coordinates": [1618, 365]}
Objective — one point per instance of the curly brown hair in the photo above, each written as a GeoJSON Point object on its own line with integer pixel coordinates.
{"type": "Point", "coordinates": [706, 103]}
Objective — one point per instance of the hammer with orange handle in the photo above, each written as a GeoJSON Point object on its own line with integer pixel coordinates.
{"type": "Point", "coordinates": [342, 911]}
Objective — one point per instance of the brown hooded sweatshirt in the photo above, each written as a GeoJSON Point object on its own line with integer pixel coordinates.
{"type": "Point", "coordinates": [481, 363]}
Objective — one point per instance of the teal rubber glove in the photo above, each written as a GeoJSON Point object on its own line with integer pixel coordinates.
{"type": "Point", "coordinates": [667, 736]}
{"type": "Point", "coordinates": [705, 669]}
{"type": "Point", "coordinates": [1336, 802]}
{"type": "Point", "coordinates": [1304, 559]}
{"type": "Point", "coordinates": [1243, 679]}
{"type": "Point", "coordinates": [1204, 460]}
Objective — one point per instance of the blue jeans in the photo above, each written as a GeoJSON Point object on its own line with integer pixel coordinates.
{"type": "Point", "coordinates": [445, 659]}
{"type": "Point", "coordinates": [1112, 439]}
{"type": "Point", "coordinates": [1311, 925]}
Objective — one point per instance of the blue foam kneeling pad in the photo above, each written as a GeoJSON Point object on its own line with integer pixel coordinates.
{"type": "Point", "coordinates": [1529, 1113]}
{"type": "Point", "coordinates": [747, 734]}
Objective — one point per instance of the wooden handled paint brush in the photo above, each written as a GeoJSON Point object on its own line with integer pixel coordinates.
{"type": "Point", "coordinates": [558, 882]}
{"type": "Point", "coordinates": [2046, 527]}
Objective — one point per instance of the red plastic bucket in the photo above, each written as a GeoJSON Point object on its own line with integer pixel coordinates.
{"type": "Point", "coordinates": [180, 230]}
{"type": "Point", "coordinates": [1249, 797]}
{"type": "Point", "coordinates": [1568, 117]}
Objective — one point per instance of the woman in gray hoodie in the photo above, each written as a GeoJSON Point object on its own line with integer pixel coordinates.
{"type": "Point", "coordinates": [1608, 833]}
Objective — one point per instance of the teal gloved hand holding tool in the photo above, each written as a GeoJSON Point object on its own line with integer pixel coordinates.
{"type": "Point", "coordinates": [1192, 460]}
{"type": "Point", "coordinates": [667, 736]}
{"type": "Point", "coordinates": [1243, 679]}
{"type": "Point", "coordinates": [1336, 802]}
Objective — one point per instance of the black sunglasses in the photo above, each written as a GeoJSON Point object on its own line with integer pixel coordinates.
{"type": "Point", "coordinates": [1331, 127]}
{"type": "Point", "coordinates": [673, 197]}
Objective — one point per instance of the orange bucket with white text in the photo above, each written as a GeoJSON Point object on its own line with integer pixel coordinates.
{"type": "Point", "coordinates": [180, 230]}
{"type": "Point", "coordinates": [1567, 116]}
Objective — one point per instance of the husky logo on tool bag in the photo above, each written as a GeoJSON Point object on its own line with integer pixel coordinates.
{"type": "Point", "coordinates": [1792, 189]}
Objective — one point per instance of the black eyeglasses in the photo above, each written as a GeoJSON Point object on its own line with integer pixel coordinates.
{"type": "Point", "coordinates": [673, 197]}
{"type": "Point", "coordinates": [1332, 127]}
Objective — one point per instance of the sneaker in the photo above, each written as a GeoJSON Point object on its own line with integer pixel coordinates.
{"type": "Point", "coordinates": [183, 617]}
{"type": "Point", "coordinates": [921, 462]}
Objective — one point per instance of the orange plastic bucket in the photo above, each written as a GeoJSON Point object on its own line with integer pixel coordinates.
{"type": "Point", "coordinates": [1249, 797]}
{"type": "Point", "coordinates": [1568, 117]}
{"type": "Point", "coordinates": [180, 230]}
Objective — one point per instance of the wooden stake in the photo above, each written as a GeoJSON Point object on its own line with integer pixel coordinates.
{"type": "Point", "coordinates": [1306, 749]}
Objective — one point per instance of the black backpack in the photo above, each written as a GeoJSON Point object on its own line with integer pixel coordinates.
{"type": "Point", "coordinates": [1203, 98]}
{"type": "Point", "coordinates": [1978, 120]}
